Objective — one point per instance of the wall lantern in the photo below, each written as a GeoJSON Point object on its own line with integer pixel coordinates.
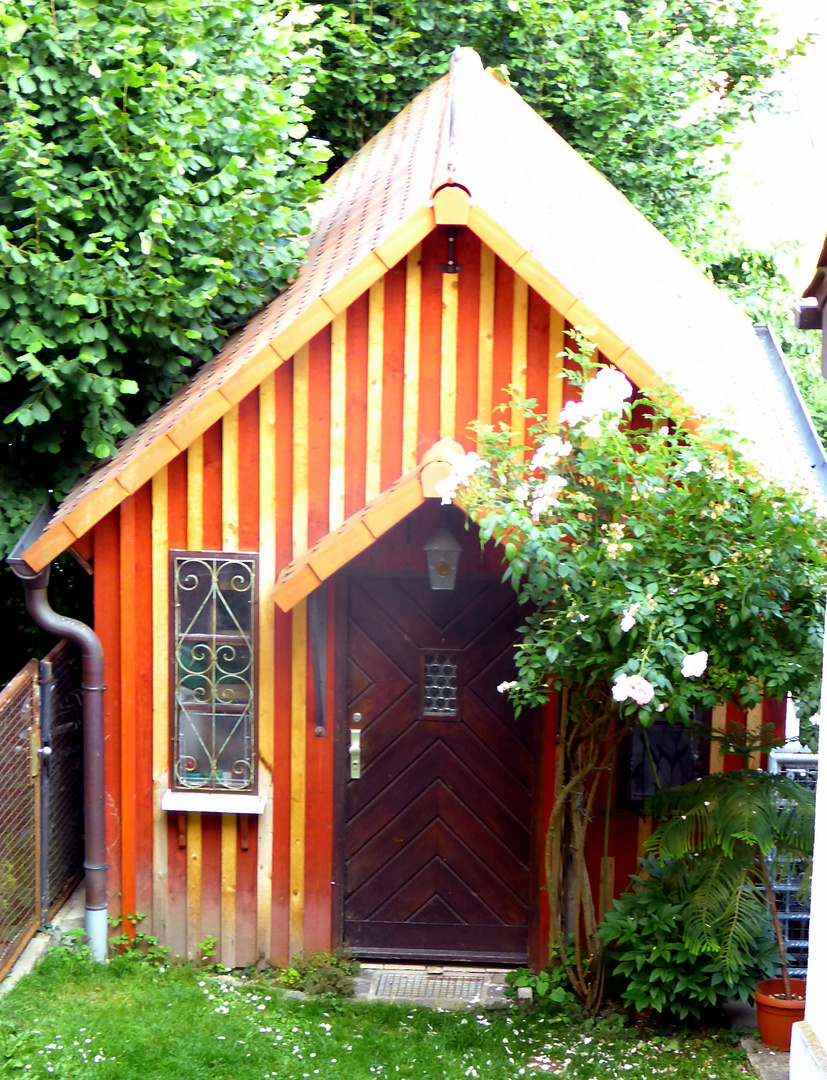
{"type": "Point", "coordinates": [442, 551]}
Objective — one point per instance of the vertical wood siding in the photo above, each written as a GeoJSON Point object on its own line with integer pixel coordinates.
{"type": "Point", "coordinates": [416, 358]}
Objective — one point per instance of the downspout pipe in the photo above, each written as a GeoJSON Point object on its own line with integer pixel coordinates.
{"type": "Point", "coordinates": [36, 585]}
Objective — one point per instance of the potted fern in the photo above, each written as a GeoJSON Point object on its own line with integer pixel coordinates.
{"type": "Point", "coordinates": [736, 831]}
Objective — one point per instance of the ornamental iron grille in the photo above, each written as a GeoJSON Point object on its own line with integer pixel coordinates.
{"type": "Point", "coordinates": [215, 599]}
{"type": "Point", "coordinates": [440, 684]}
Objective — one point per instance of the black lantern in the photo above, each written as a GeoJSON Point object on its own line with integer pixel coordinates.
{"type": "Point", "coordinates": [442, 551]}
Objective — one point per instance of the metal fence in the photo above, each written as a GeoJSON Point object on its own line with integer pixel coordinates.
{"type": "Point", "coordinates": [41, 796]}
{"type": "Point", "coordinates": [794, 912]}
{"type": "Point", "coordinates": [19, 814]}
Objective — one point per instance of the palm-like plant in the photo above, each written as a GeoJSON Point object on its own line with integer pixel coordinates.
{"type": "Point", "coordinates": [735, 831]}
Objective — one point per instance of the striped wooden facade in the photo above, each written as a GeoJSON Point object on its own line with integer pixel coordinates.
{"type": "Point", "coordinates": [413, 360]}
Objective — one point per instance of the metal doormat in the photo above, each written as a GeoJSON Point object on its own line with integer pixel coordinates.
{"type": "Point", "coordinates": [447, 989]}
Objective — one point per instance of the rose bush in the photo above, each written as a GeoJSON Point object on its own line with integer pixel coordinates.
{"type": "Point", "coordinates": [661, 573]}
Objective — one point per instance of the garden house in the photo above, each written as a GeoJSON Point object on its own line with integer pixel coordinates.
{"type": "Point", "coordinates": [304, 743]}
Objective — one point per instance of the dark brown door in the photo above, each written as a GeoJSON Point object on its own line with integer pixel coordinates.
{"type": "Point", "coordinates": [437, 831]}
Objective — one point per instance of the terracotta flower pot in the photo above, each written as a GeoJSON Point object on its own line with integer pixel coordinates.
{"type": "Point", "coordinates": [776, 1016]}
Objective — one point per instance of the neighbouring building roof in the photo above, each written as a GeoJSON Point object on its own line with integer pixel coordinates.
{"type": "Point", "coordinates": [469, 151]}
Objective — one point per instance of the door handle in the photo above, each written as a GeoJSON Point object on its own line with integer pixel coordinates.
{"type": "Point", "coordinates": [355, 751]}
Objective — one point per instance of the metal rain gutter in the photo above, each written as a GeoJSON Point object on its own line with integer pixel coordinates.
{"type": "Point", "coordinates": [36, 585]}
{"type": "Point", "coordinates": [795, 406]}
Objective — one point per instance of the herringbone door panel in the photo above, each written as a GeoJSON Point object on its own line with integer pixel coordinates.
{"type": "Point", "coordinates": [438, 825]}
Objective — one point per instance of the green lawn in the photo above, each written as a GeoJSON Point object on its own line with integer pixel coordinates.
{"type": "Point", "coordinates": [72, 1018]}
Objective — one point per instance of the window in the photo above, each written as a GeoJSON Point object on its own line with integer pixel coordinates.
{"type": "Point", "coordinates": [679, 754]}
{"type": "Point", "coordinates": [214, 667]}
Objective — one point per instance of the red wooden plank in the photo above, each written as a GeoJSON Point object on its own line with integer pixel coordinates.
{"type": "Point", "coordinates": [176, 855]}
{"type": "Point", "coordinates": [393, 374]}
{"type": "Point", "coordinates": [210, 876]}
{"type": "Point", "coordinates": [246, 946]}
{"type": "Point", "coordinates": [735, 721]}
{"type": "Point", "coordinates": [143, 699]}
{"type": "Point", "coordinates": [212, 488]}
{"type": "Point", "coordinates": [503, 323]}
{"type": "Point", "coordinates": [318, 436]}
{"type": "Point", "coordinates": [468, 322]}
{"type": "Point", "coordinates": [129, 690]}
{"type": "Point", "coordinates": [538, 345]}
{"type": "Point", "coordinates": [248, 469]}
{"type": "Point", "coordinates": [176, 937]}
{"type": "Point", "coordinates": [282, 504]}
{"type": "Point", "coordinates": [356, 416]}
{"type": "Point", "coordinates": [108, 628]}
{"type": "Point", "coordinates": [177, 502]}
{"type": "Point", "coordinates": [434, 249]}
{"type": "Point", "coordinates": [280, 932]}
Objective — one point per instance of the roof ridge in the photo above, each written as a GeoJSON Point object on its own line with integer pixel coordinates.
{"type": "Point", "coordinates": [465, 69]}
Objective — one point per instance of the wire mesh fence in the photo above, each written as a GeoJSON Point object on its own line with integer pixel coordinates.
{"type": "Point", "coordinates": [19, 814]}
{"type": "Point", "coordinates": [793, 908]}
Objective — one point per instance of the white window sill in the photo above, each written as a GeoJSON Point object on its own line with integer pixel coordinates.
{"type": "Point", "coordinates": [211, 802]}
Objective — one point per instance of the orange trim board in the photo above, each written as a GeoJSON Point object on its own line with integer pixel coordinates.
{"type": "Point", "coordinates": [308, 571]}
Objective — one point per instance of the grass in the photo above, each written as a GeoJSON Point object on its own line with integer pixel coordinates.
{"type": "Point", "coordinates": [74, 1019]}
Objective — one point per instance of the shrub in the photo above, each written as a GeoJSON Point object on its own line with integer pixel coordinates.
{"type": "Point", "coordinates": [649, 958]}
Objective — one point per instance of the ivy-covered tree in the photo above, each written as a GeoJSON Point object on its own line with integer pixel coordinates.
{"type": "Point", "coordinates": [155, 169]}
{"type": "Point", "coordinates": [642, 88]}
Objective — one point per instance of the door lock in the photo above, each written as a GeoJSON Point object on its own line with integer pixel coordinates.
{"type": "Point", "coordinates": [355, 751]}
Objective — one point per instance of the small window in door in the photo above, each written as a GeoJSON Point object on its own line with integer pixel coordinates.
{"type": "Point", "coordinates": [440, 685]}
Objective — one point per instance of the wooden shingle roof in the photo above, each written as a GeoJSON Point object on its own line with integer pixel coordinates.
{"type": "Point", "coordinates": [469, 151]}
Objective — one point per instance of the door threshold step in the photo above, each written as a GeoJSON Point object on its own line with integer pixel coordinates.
{"type": "Point", "coordinates": [440, 986]}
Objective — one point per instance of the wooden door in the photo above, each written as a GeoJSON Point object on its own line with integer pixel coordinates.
{"type": "Point", "coordinates": [437, 828]}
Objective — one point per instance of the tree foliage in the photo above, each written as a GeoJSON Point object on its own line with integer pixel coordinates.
{"type": "Point", "coordinates": [642, 89]}
{"type": "Point", "coordinates": [154, 173]}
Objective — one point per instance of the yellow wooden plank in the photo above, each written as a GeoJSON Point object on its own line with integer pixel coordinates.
{"type": "Point", "coordinates": [202, 413]}
{"type": "Point", "coordinates": [604, 339]}
{"type": "Point", "coordinates": [551, 289]}
{"type": "Point", "coordinates": [195, 542]}
{"type": "Point", "coordinates": [755, 720]}
{"type": "Point", "coordinates": [519, 355]}
{"type": "Point", "coordinates": [299, 330]}
{"type": "Point", "coordinates": [716, 758]}
{"type": "Point", "coordinates": [295, 583]}
{"type": "Point", "coordinates": [485, 371]}
{"type": "Point", "coordinates": [412, 232]}
{"type": "Point", "coordinates": [89, 511]}
{"type": "Point", "coordinates": [448, 366]}
{"type": "Point", "coordinates": [145, 464]}
{"type": "Point", "coordinates": [298, 775]}
{"type": "Point", "coordinates": [160, 706]}
{"type": "Point", "coordinates": [301, 450]}
{"type": "Point", "coordinates": [229, 484]}
{"type": "Point", "coordinates": [229, 539]}
{"type": "Point", "coordinates": [51, 544]}
{"type": "Point", "coordinates": [489, 230]}
{"type": "Point", "coordinates": [229, 850]}
{"type": "Point", "coordinates": [195, 495]}
{"type": "Point", "coordinates": [410, 400]}
{"type": "Point", "coordinates": [357, 281]}
{"type": "Point", "coordinates": [635, 368]}
{"type": "Point", "coordinates": [451, 205]}
{"type": "Point", "coordinates": [266, 649]}
{"type": "Point", "coordinates": [556, 350]}
{"type": "Point", "coordinates": [376, 355]}
{"type": "Point", "coordinates": [338, 408]}
{"type": "Point", "coordinates": [193, 885]}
